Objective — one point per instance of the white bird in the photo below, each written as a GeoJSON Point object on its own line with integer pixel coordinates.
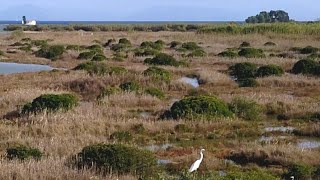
{"type": "Point", "coordinates": [292, 177]}
{"type": "Point", "coordinates": [196, 164]}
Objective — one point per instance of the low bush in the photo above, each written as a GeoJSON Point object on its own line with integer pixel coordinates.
{"type": "Point", "coordinates": [124, 41]}
{"type": "Point", "coordinates": [305, 66]}
{"type": "Point", "coordinates": [155, 92]}
{"type": "Point", "coordinates": [190, 46]}
{"type": "Point", "coordinates": [158, 74]}
{"type": "Point", "coordinates": [121, 136]}
{"type": "Point", "coordinates": [95, 48]}
{"type": "Point", "coordinates": [175, 44]}
{"type": "Point", "coordinates": [130, 86]}
{"type": "Point", "coordinates": [75, 48]}
{"type": "Point", "coordinates": [88, 55]}
{"type": "Point", "coordinates": [300, 171]}
{"type": "Point", "coordinates": [199, 106]}
{"type": "Point", "coordinates": [270, 44]}
{"type": "Point", "coordinates": [119, 159]}
{"type": "Point", "coordinates": [117, 70]}
{"type": "Point", "coordinates": [243, 70]}
{"type": "Point", "coordinates": [99, 57]}
{"type": "Point", "coordinates": [162, 59]}
{"type": "Point", "coordinates": [245, 44]}
{"type": "Point", "coordinates": [146, 52]}
{"type": "Point", "coordinates": [51, 102]}
{"type": "Point", "coordinates": [108, 92]}
{"type": "Point", "coordinates": [22, 152]}
{"type": "Point", "coordinates": [309, 50]}
{"type": "Point", "coordinates": [93, 68]}
{"type": "Point", "coordinates": [229, 54]}
{"type": "Point", "coordinates": [247, 82]}
{"type": "Point", "coordinates": [152, 45]}
{"type": "Point", "coordinates": [270, 70]}
{"type": "Point", "coordinates": [39, 43]}
{"type": "Point", "coordinates": [251, 53]}
{"type": "Point", "coordinates": [197, 53]}
{"type": "Point", "coordinates": [246, 109]}
{"type": "Point", "coordinates": [51, 52]}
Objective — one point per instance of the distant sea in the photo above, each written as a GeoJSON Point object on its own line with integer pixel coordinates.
{"type": "Point", "coordinates": [119, 22]}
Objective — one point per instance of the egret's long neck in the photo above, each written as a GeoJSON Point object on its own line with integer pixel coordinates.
{"type": "Point", "coordinates": [201, 156]}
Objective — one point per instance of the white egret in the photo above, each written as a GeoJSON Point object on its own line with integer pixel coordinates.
{"type": "Point", "coordinates": [196, 164]}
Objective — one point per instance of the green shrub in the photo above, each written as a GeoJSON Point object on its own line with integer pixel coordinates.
{"type": "Point", "coordinates": [270, 70]}
{"type": "Point", "coordinates": [96, 48]}
{"type": "Point", "coordinates": [152, 45]}
{"type": "Point", "coordinates": [160, 42]}
{"type": "Point", "coordinates": [228, 53]}
{"type": "Point", "coordinates": [162, 59]}
{"type": "Point", "coordinates": [130, 86]}
{"type": "Point", "coordinates": [305, 66]}
{"type": "Point", "coordinates": [124, 41]}
{"type": "Point", "coordinates": [93, 68]}
{"type": "Point", "coordinates": [117, 70]}
{"type": "Point", "coordinates": [199, 106]}
{"type": "Point", "coordinates": [119, 47]}
{"type": "Point", "coordinates": [26, 48]}
{"type": "Point", "coordinates": [118, 56]}
{"type": "Point", "coordinates": [251, 53]}
{"type": "Point", "coordinates": [314, 56]}
{"type": "Point", "coordinates": [175, 44]}
{"type": "Point", "coordinates": [155, 92]}
{"type": "Point", "coordinates": [190, 46]}
{"type": "Point", "coordinates": [74, 48]}
{"type": "Point", "coordinates": [270, 44]}
{"type": "Point", "coordinates": [22, 152]}
{"type": "Point", "coordinates": [87, 55]}
{"type": "Point", "coordinates": [118, 158]}
{"type": "Point", "coordinates": [197, 53]}
{"type": "Point", "coordinates": [108, 92]}
{"type": "Point", "coordinates": [39, 43]}
{"type": "Point", "coordinates": [121, 136]}
{"type": "Point", "coordinates": [245, 44]}
{"type": "Point", "coordinates": [51, 102]}
{"type": "Point", "coordinates": [246, 109]}
{"type": "Point", "coordinates": [146, 52]}
{"type": "Point", "coordinates": [99, 57]}
{"type": "Point", "coordinates": [300, 171]}
{"type": "Point", "coordinates": [309, 50]}
{"type": "Point", "coordinates": [243, 70]}
{"type": "Point", "coordinates": [247, 82]}
{"type": "Point", "coordinates": [158, 73]}
{"type": "Point", "coordinates": [51, 52]}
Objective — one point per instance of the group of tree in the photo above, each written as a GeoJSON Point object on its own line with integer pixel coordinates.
{"type": "Point", "coordinates": [269, 17]}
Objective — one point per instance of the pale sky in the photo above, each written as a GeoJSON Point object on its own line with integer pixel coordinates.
{"type": "Point", "coordinates": [152, 10]}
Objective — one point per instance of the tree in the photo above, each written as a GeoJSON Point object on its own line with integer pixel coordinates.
{"type": "Point", "coordinates": [272, 16]}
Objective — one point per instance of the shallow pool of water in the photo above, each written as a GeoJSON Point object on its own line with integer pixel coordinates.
{"type": "Point", "coordinates": [163, 161]}
{"type": "Point", "coordinates": [279, 129]}
{"type": "Point", "coordinates": [11, 68]}
{"type": "Point", "coordinates": [191, 81]}
{"type": "Point", "coordinates": [308, 144]}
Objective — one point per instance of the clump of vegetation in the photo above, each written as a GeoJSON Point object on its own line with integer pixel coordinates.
{"type": "Point", "coordinates": [190, 46]}
{"type": "Point", "coordinates": [309, 50]}
{"type": "Point", "coordinates": [93, 68]}
{"type": "Point", "coordinates": [229, 53]}
{"type": "Point", "coordinates": [121, 136]}
{"type": "Point", "coordinates": [269, 70]}
{"type": "Point", "coordinates": [99, 57]}
{"type": "Point", "coordinates": [243, 70]}
{"type": "Point", "coordinates": [51, 102]}
{"type": "Point", "coordinates": [75, 48]}
{"type": "Point", "coordinates": [199, 106]}
{"type": "Point", "coordinates": [51, 52]}
{"type": "Point", "coordinates": [146, 52]}
{"type": "Point", "coordinates": [300, 171]}
{"type": "Point", "coordinates": [39, 43]}
{"type": "Point", "coordinates": [247, 82]}
{"type": "Point", "coordinates": [109, 42]}
{"type": "Point", "coordinates": [23, 152]}
{"type": "Point", "coordinates": [175, 44]}
{"type": "Point", "coordinates": [108, 92]}
{"type": "Point", "coordinates": [305, 66]}
{"type": "Point", "coordinates": [182, 128]}
{"type": "Point", "coordinates": [95, 48]}
{"type": "Point", "coordinates": [118, 56]}
{"type": "Point", "coordinates": [130, 86]}
{"type": "Point", "coordinates": [26, 48]}
{"type": "Point", "coordinates": [245, 44]}
{"type": "Point", "coordinates": [314, 56]}
{"type": "Point", "coordinates": [155, 92]}
{"type": "Point", "coordinates": [269, 43]}
{"type": "Point", "coordinates": [246, 109]}
{"type": "Point", "coordinates": [123, 44]}
{"type": "Point", "coordinates": [252, 53]}
{"type": "Point", "coordinates": [158, 73]}
{"type": "Point", "coordinates": [118, 158]}
{"type": "Point", "coordinates": [197, 53]}
{"type": "Point", "coordinates": [158, 45]}
{"type": "Point", "coordinates": [117, 70]}
{"type": "Point", "coordinates": [88, 55]}
{"type": "Point", "coordinates": [162, 59]}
